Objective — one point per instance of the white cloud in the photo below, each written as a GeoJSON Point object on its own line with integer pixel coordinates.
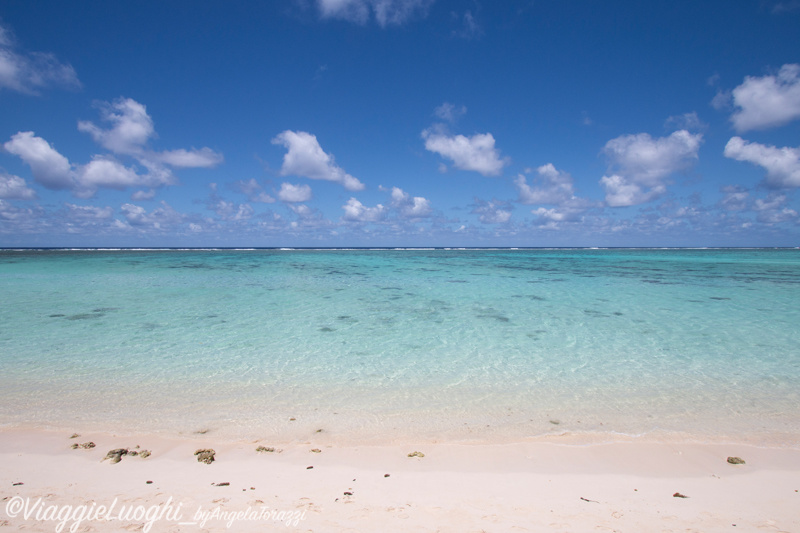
{"type": "Point", "coordinates": [355, 211]}
{"type": "Point", "coordinates": [202, 158]}
{"type": "Point", "coordinates": [48, 167]}
{"type": "Point", "coordinates": [686, 121]}
{"type": "Point", "coordinates": [294, 193]}
{"type": "Point", "coordinates": [467, 153]}
{"type": "Point", "coordinates": [15, 188]}
{"type": "Point", "coordinates": [722, 100]}
{"type": "Point", "coordinates": [555, 187]}
{"type": "Point", "coordinates": [132, 128]}
{"type": "Point", "coordinates": [735, 198]}
{"type": "Point", "coordinates": [449, 112]}
{"type": "Point", "coordinates": [160, 218]}
{"type": "Point", "coordinates": [254, 191]}
{"type": "Point", "coordinates": [408, 206]}
{"type": "Point", "coordinates": [28, 72]}
{"type": "Point", "coordinates": [768, 101]}
{"type": "Point", "coordinates": [89, 212]}
{"type": "Point", "coordinates": [143, 195]}
{"type": "Point", "coordinates": [782, 164]}
{"type": "Point", "coordinates": [387, 12]}
{"type": "Point", "coordinates": [492, 212]}
{"type": "Point", "coordinates": [306, 158]}
{"type": "Point", "coordinates": [642, 163]}
{"type": "Point", "coordinates": [621, 192]}
{"type": "Point", "coordinates": [772, 210]}
{"type": "Point", "coordinates": [110, 173]}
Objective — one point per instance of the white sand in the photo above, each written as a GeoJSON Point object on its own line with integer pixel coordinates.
{"type": "Point", "coordinates": [529, 486]}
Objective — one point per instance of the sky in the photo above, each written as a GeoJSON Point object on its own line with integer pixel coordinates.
{"type": "Point", "coordinates": [335, 123]}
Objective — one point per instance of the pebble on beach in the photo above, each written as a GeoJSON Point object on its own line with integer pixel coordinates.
{"type": "Point", "coordinates": [205, 456]}
{"type": "Point", "coordinates": [416, 454]}
{"type": "Point", "coordinates": [736, 460]}
{"type": "Point", "coordinates": [115, 456]}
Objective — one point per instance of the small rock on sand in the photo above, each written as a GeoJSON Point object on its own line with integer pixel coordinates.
{"type": "Point", "coordinates": [264, 449]}
{"type": "Point", "coordinates": [115, 455]}
{"type": "Point", "coordinates": [679, 495]}
{"type": "Point", "coordinates": [736, 460]}
{"type": "Point", "coordinates": [205, 456]}
{"type": "Point", "coordinates": [416, 454]}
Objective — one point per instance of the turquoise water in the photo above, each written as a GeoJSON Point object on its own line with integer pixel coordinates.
{"type": "Point", "coordinates": [391, 345]}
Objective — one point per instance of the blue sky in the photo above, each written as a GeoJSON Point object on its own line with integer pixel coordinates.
{"type": "Point", "coordinates": [400, 123]}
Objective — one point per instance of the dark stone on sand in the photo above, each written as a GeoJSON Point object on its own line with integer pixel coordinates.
{"type": "Point", "coordinates": [348, 493]}
{"type": "Point", "coordinates": [416, 454]}
{"type": "Point", "coordinates": [223, 484]}
{"type": "Point", "coordinates": [309, 467]}
{"type": "Point", "coordinates": [316, 450]}
{"type": "Point", "coordinates": [144, 454]}
{"type": "Point", "coordinates": [205, 456]}
{"type": "Point", "coordinates": [679, 495]}
{"type": "Point", "coordinates": [149, 482]}
{"type": "Point", "coordinates": [17, 484]}
{"type": "Point", "coordinates": [736, 460]}
{"type": "Point", "coordinates": [263, 449]}
{"type": "Point", "coordinates": [115, 455]}
{"type": "Point", "coordinates": [85, 446]}
{"type": "Point", "coordinates": [74, 436]}
{"type": "Point", "coordinates": [386, 475]}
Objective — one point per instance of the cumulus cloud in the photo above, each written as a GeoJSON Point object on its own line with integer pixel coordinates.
{"type": "Point", "coordinates": [131, 128]}
{"type": "Point", "coordinates": [553, 186]}
{"type": "Point", "coordinates": [29, 72]}
{"type": "Point", "coordinates": [386, 12]}
{"type": "Point", "coordinates": [253, 191]}
{"type": "Point", "coordinates": [160, 218]}
{"type": "Point", "coordinates": [476, 153]}
{"type": "Point", "coordinates": [355, 211]}
{"type": "Point", "coordinates": [734, 198]}
{"type": "Point", "coordinates": [89, 212]}
{"type": "Point", "coordinates": [294, 193]}
{"type": "Point", "coordinates": [768, 101]}
{"type": "Point", "coordinates": [48, 167]}
{"type": "Point", "coordinates": [773, 210]}
{"type": "Point", "coordinates": [15, 188]}
{"type": "Point", "coordinates": [492, 212]}
{"type": "Point", "coordinates": [408, 206]}
{"type": "Point", "coordinates": [54, 171]}
{"type": "Point", "coordinates": [306, 158]}
{"type": "Point", "coordinates": [107, 172]}
{"type": "Point", "coordinates": [643, 163]}
{"type": "Point", "coordinates": [143, 195]}
{"type": "Point", "coordinates": [621, 192]}
{"type": "Point", "coordinates": [782, 164]}
{"type": "Point", "coordinates": [194, 158]}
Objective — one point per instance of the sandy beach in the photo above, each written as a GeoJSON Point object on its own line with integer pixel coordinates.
{"type": "Point", "coordinates": [629, 485]}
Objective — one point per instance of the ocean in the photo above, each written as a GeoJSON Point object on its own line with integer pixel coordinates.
{"type": "Point", "coordinates": [397, 345]}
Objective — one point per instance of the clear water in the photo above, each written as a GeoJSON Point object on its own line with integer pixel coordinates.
{"type": "Point", "coordinates": [391, 345]}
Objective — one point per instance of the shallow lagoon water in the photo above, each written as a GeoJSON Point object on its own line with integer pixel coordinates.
{"type": "Point", "coordinates": [386, 345]}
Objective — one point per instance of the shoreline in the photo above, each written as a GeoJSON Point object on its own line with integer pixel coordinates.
{"type": "Point", "coordinates": [537, 486]}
